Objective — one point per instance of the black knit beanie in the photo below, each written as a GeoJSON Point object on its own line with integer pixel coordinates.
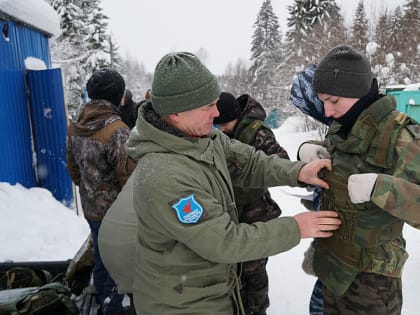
{"type": "Point", "coordinates": [229, 108]}
{"type": "Point", "coordinates": [344, 72]}
{"type": "Point", "coordinates": [181, 82]}
{"type": "Point", "coordinates": [106, 84]}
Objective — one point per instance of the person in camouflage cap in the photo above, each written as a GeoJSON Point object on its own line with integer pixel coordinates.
{"type": "Point", "coordinates": [243, 119]}
{"type": "Point", "coordinates": [374, 187]}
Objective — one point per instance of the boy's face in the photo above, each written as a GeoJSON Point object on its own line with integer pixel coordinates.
{"type": "Point", "coordinates": [336, 106]}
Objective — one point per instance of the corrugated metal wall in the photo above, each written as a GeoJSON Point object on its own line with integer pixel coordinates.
{"type": "Point", "coordinates": [19, 153]}
{"type": "Point", "coordinates": [49, 132]}
{"type": "Point", "coordinates": [408, 102]}
{"type": "Point", "coordinates": [15, 134]}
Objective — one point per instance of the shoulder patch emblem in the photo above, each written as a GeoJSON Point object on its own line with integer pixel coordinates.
{"type": "Point", "coordinates": [188, 209]}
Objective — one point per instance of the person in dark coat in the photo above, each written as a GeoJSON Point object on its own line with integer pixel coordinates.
{"type": "Point", "coordinates": [243, 119]}
{"type": "Point", "coordinates": [128, 109]}
{"type": "Point", "coordinates": [98, 164]}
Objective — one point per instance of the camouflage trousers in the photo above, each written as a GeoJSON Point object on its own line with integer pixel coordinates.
{"type": "Point", "coordinates": [369, 294]}
{"type": "Point", "coordinates": [254, 292]}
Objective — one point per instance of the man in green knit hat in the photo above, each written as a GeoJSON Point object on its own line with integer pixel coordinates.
{"type": "Point", "coordinates": [189, 241]}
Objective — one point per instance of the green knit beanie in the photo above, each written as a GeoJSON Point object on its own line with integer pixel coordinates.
{"type": "Point", "coordinates": [181, 82]}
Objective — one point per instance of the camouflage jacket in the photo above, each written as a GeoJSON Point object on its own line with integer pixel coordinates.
{"type": "Point", "coordinates": [256, 204]}
{"type": "Point", "coordinates": [370, 238]}
{"type": "Point", "coordinates": [96, 158]}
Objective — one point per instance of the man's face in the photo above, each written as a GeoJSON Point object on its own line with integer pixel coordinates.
{"type": "Point", "coordinates": [336, 106]}
{"type": "Point", "coordinates": [197, 122]}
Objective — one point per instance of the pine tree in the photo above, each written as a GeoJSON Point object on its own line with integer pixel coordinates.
{"type": "Point", "coordinates": [314, 27]}
{"type": "Point", "coordinates": [235, 79]}
{"type": "Point", "coordinates": [69, 50]}
{"type": "Point", "coordinates": [112, 49]}
{"type": "Point", "coordinates": [299, 27]}
{"type": "Point", "coordinates": [137, 80]}
{"type": "Point", "coordinates": [96, 38]}
{"type": "Point", "coordinates": [382, 65]}
{"type": "Point", "coordinates": [82, 47]}
{"type": "Point", "coordinates": [396, 37]}
{"type": "Point", "coordinates": [360, 28]}
{"type": "Point", "coordinates": [266, 55]}
{"type": "Point", "coordinates": [382, 38]}
{"type": "Point", "coordinates": [327, 30]}
{"type": "Point", "coordinates": [409, 48]}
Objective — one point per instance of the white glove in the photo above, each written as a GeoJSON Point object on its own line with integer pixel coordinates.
{"type": "Point", "coordinates": [308, 152]}
{"type": "Point", "coordinates": [360, 186]}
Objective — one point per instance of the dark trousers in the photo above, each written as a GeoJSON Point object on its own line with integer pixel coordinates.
{"type": "Point", "coordinates": [106, 290]}
{"type": "Point", "coordinates": [254, 292]}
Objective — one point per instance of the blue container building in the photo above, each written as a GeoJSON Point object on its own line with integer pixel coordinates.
{"type": "Point", "coordinates": [32, 110]}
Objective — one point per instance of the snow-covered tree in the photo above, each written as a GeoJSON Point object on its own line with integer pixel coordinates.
{"type": "Point", "coordinates": [96, 38]}
{"type": "Point", "coordinates": [409, 48]}
{"type": "Point", "coordinates": [360, 28]}
{"type": "Point", "coordinates": [314, 27]}
{"type": "Point", "coordinates": [137, 79]}
{"type": "Point", "coordinates": [382, 38]}
{"type": "Point", "coordinates": [235, 79]}
{"type": "Point", "coordinates": [82, 47]}
{"type": "Point", "coordinates": [380, 68]}
{"type": "Point", "coordinates": [69, 50]}
{"type": "Point", "coordinates": [328, 30]}
{"type": "Point", "coordinates": [266, 54]}
{"type": "Point", "coordinates": [115, 60]}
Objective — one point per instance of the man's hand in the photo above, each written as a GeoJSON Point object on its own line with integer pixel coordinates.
{"type": "Point", "coordinates": [309, 173]}
{"type": "Point", "coordinates": [308, 152]}
{"type": "Point", "coordinates": [360, 186]}
{"type": "Point", "coordinates": [317, 223]}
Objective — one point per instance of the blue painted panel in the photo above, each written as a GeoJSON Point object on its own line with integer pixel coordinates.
{"type": "Point", "coordinates": [408, 102]}
{"type": "Point", "coordinates": [16, 163]}
{"type": "Point", "coordinates": [49, 127]}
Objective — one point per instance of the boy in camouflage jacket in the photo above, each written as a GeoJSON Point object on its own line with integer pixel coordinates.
{"type": "Point", "coordinates": [374, 187]}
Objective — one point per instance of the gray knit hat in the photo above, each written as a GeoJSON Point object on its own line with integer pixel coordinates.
{"type": "Point", "coordinates": [344, 72]}
{"type": "Point", "coordinates": [181, 82]}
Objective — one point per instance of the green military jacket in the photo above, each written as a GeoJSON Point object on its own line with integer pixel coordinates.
{"type": "Point", "coordinates": [117, 238]}
{"type": "Point", "coordinates": [189, 240]}
{"type": "Point", "coordinates": [382, 141]}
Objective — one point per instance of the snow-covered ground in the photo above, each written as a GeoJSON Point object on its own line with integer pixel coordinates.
{"type": "Point", "coordinates": [34, 226]}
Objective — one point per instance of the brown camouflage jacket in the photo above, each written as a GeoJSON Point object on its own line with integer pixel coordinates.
{"type": "Point", "coordinates": [96, 157]}
{"type": "Point", "coordinates": [256, 204]}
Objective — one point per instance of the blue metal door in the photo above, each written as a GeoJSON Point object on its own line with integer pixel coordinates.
{"type": "Point", "coordinates": [49, 125]}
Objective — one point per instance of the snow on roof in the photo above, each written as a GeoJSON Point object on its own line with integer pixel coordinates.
{"type": "Point", "coordinates": [36, 13]}
{"type": "Point", "coordinates": [412, 87]}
